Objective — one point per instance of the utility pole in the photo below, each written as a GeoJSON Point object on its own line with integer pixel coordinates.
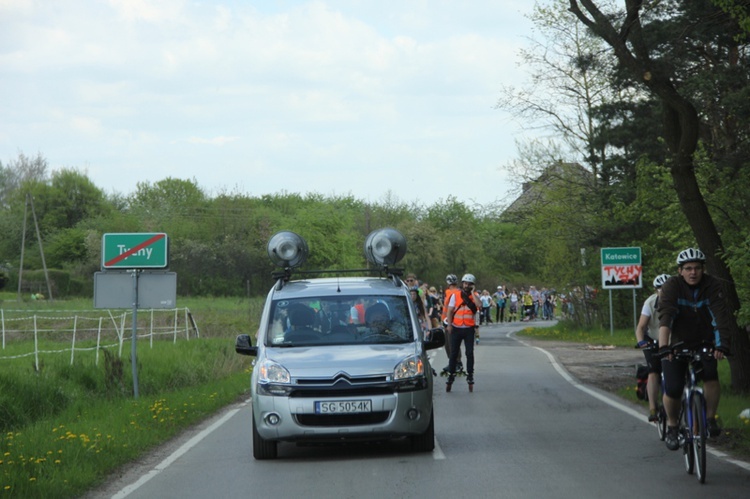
{"type": "Point", "coordinates": [30, 201]}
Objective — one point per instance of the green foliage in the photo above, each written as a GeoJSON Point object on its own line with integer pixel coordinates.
{"type": "Point", "coordinates": [66, 246]}
{"type": "Point", "coordinates": [4, 277]}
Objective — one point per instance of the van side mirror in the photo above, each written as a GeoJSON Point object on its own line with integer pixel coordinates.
{"type": "Point", "coordinates": [437, 339]}
{"type": "Point", "coordinates": [243, 345]}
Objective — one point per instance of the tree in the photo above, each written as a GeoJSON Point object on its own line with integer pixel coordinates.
{"type": "Point", "coordinates": [568, 81]}
{"type": "Point", "coordinates": [180, 202]}
{"type": "Point", "coordinates": [18, 171]}
{"type": "Point", "coordinates": [649, 41]}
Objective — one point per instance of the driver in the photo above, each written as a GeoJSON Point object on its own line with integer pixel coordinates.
{"type": "Point", "coordinates": [378, 317]}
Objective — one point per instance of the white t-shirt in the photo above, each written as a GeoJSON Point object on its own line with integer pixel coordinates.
{"type": "Point", "coordinates": [649, 310]}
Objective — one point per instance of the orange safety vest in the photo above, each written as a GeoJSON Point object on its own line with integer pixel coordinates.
{"type": "Point", "coordinates": [360, 312]}
{"type": "Point", "coordinates": [462, 314]}
{"type": "Point", "coordinates": [447, 300]}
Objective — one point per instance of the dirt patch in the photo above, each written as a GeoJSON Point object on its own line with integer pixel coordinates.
{"type": "Point", "coordinates": [603, 366]}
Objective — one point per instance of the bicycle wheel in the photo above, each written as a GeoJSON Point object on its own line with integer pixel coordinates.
{"type": "Point", "coordinates": [686, 435]}
{"type": "Point", "coordinates": [699, 435]}
{"type": "Point", "coordinates": [661, 423]}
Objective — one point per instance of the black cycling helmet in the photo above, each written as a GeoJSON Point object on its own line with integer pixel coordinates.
{"type": "Point", "coordinates": [690, 255]}
{"type": "Point", "coordinates": [660, 280]}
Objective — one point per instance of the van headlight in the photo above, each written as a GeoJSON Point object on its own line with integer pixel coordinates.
{"type": "Point", "coordinates": [273, 372]}
{"type": "Point", "coordinates": [409, 368]}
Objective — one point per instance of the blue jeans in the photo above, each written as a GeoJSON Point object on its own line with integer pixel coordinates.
{"type": "Point", "coordinates": [459, 334]}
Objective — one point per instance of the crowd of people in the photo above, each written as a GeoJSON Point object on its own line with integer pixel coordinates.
{"type": "Point", "coordinates": [461, 309]}
{"type": "Point", "coordinates": [502, 305]}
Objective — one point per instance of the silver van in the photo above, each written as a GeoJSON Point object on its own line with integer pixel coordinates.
{"type": "Point", "coordinates": [340, 358]}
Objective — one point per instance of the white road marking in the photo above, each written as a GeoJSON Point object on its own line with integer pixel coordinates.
{"type": "Point", "coordinates": [617, 405]}
{"type": "Point", "coordinates": [177, 454]}
{"type": "Point", "coordinates": [437, 452]}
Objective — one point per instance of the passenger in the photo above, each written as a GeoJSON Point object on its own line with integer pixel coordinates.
{"type": "Point", "coordinates": [357, 312]}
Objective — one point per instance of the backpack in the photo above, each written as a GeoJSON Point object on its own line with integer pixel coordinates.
{"type": "Point", "coordinates": [641, 380]}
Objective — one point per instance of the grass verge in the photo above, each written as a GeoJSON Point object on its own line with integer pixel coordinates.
{"type": "Point", "coordinates": [64, 428]}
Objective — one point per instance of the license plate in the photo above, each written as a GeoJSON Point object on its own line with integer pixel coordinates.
{"type": "Point", "coordinates": [343, 407]}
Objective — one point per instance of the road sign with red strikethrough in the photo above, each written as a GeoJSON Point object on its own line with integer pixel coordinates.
{"type": "Point", "coordinates": [135, 251]}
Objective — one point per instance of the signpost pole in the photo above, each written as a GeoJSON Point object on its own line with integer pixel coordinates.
{"type": "Point", "coordinates": [131, 253]}
{"type": "Point", "coordinates": [611, 319]}
{"type": "Point", "coordinates": [133, 357]}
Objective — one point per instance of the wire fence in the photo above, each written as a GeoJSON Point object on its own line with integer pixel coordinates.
{"type": "Point", "coordinates": [51, 332]}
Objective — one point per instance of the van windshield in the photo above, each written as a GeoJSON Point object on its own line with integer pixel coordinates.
{"type": "Point", "coordinates": [340, 320]}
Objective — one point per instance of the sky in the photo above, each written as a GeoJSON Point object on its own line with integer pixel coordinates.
{"type": "Point", "coordinates": [373, 99]}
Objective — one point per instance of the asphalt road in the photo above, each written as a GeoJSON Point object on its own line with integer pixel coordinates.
{"type": "Point", "coordinates": [528, 430]}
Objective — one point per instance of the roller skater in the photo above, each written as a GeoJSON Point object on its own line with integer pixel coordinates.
{"type": "Point", "coordinates": [462, 309]}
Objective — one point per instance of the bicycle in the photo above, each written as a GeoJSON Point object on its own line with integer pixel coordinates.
{"type": "Point", "coordinates": [661, 422]}
{"type": "Point", "coordinates": [693, 427]}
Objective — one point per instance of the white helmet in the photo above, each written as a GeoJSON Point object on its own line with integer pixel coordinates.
{"type": "Point", "coordinates": [469, 278]}
{"type": "Point", "coordinates": [451, 279]}
{"type": "Point", "coordinates": [691, 255]}
{"type": "Point", "coordinates": [660, 280]}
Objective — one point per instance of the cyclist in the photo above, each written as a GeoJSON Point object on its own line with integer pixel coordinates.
{"type": "Point", "coordinates": [647, 334]}
{"type": "Point", "coordinates": [692, 309]}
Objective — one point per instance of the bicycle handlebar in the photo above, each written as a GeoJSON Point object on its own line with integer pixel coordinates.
{"type": "Point", "coordinates": [680, 351]}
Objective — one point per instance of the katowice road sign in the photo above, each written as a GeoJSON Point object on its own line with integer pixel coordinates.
{"type": "Point", "coordinates": [621, 268]}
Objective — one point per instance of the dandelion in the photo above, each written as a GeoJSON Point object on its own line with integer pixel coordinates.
{"type": "Point", "coordinates": [57, 461]}
{"type": "Point", "coordinates": [32, 479]}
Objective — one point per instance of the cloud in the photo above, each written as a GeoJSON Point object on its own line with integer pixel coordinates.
{"type": "Point", "coordinates": [135, 89]}
{"type": "Point", "coordinates": [215, 141]}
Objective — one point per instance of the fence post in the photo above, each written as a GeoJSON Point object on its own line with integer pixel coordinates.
{"type": "Point", "coordinates": [151, 330]}
{"type": "Point", "coordinates": [36, 347]}
{"type": "Point", "coordinates": [122, 328]}
{"type": "Point", "coordinates": [73, 345]}
{"type": "Point", "coordinates": [192, 322]}
{"type": "Point", "coordinates": [99, 339]}
{"type": "Point", "coordinates": [175, 326]}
